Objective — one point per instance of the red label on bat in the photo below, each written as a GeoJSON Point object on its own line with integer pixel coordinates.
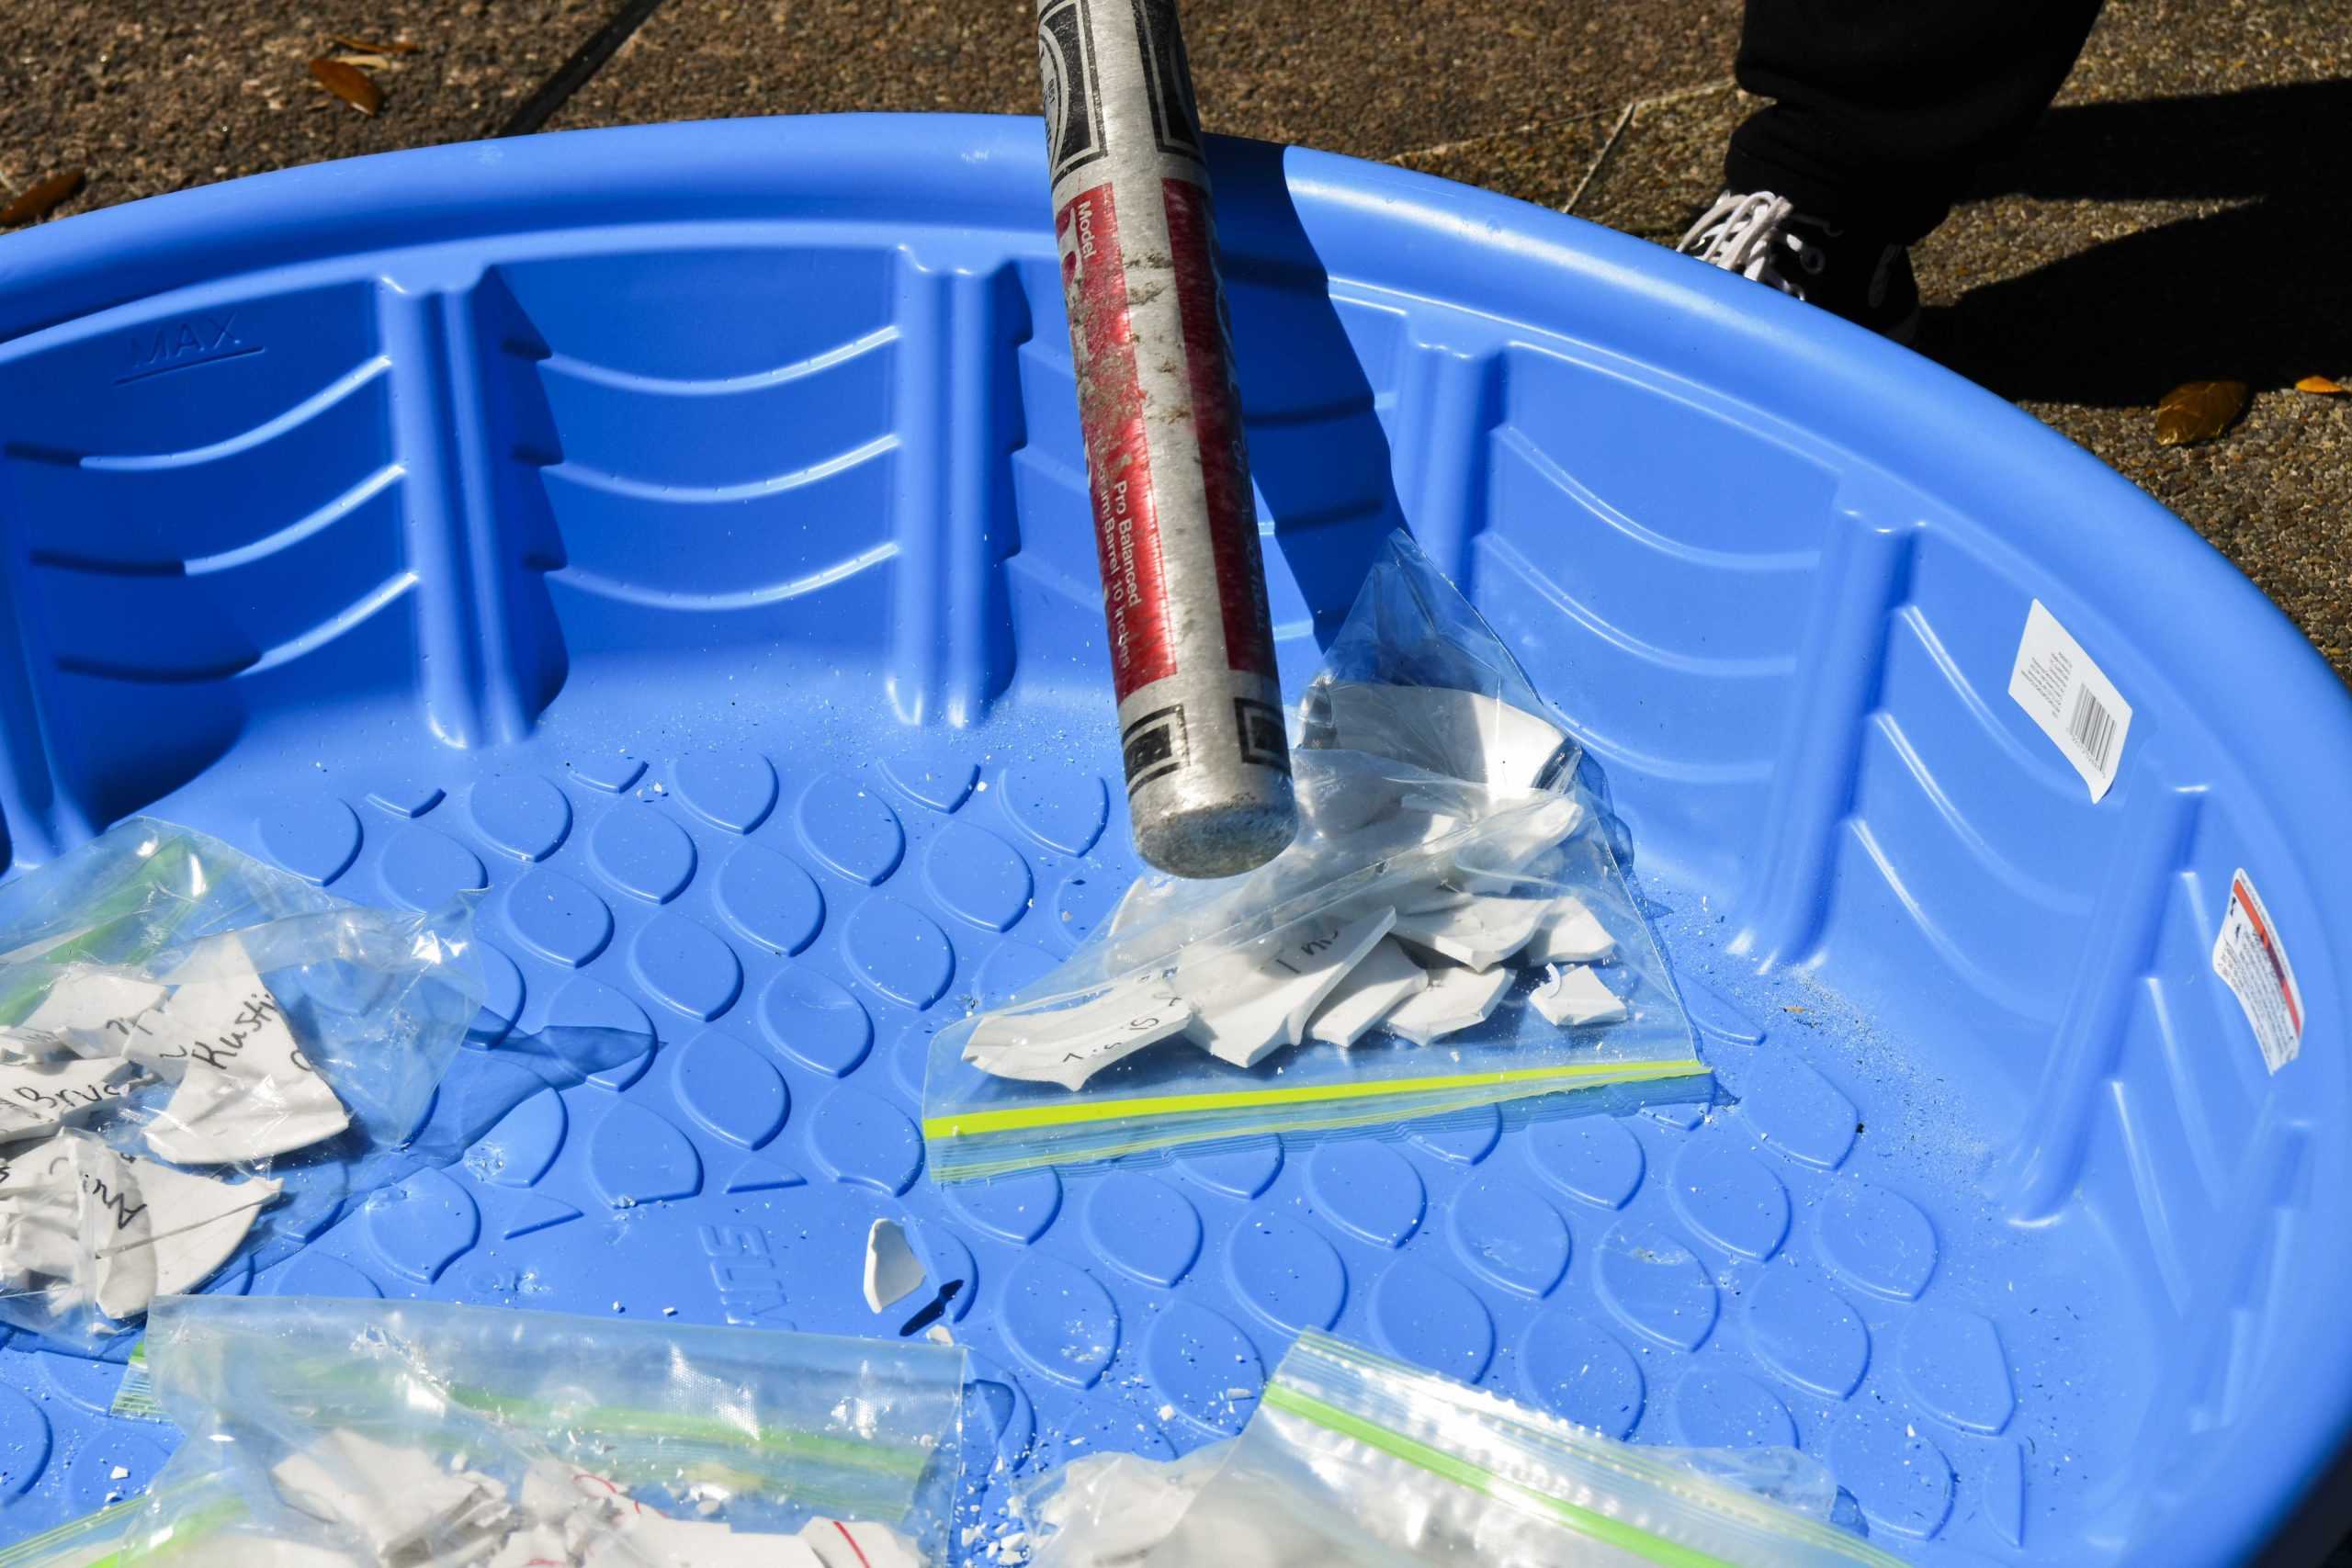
{"type": "Point", "coordinates": [1118, 457]}
{"type": "Point", "coordinates": [1216, 424]}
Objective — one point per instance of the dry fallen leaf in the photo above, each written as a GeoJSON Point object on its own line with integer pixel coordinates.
{"type": "Point", "coordinates": [2198, 411]}
{"type": "Point", "coordinates": [2321, 385]}
{"type": "Point", "coordinates": [362, 46]}
{"type": "Point", "coordinates": [349, 83]}
{"type": "Point", "coordinates": [42, 196]}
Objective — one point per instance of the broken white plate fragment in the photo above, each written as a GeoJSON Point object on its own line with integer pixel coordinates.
{"type": "Point", "coordinates": [398, 1500]}
{"type": "Point", "coordinates": [1112, 1509]}
{"type": "Point", "coordinates": [1069, 1045]}
{"type": "Point", "coordinates": [1456, 998]}
{"type": "Point", "coordinates": [1517, 846]}
{"type": "Point", "coordinates": [1570, 933]}
{"type": "Point", "coordinates": [1575, 996]}
{"type": "Point", "coordinates": [1370, 991]}
{"type": "Point", "coordinates": [533, 1546]}
{"type": "Point", "coordinates": [1344, 792]}
{"type": "Point", "coordinates": [164, 1232]}
{"type": "Point", "coordinates": [859, 1543]}
{"type": "Point", "coordinates": [39, 1097]}
{"type": "Point", "coordinates": [42, 1209]}
{"type": "Point", "coordinates": [1250, 1000]}
{"type": "Point", "coordinates": [893, 1272]}
{"type": "Point", "coordinates": [1464, 734]}
{"type": "Point", "coordinates": [1478, 933]}
{"type": "Point", "coordinates": [246, 1091]}
{"type": "Point", "coordinates": [92, 1007]}
{"type": "Point", "coordinates": [644, 1538]}
{"type": "Point", "coordinates": [577, 1517]}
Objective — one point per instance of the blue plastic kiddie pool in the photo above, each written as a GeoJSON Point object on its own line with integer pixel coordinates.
{"type": "Point", "coordinates": [679, 533]}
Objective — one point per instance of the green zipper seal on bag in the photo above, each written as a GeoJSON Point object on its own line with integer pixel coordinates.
{"type": "Point", "coordinates": [850, 1454]}
{"type": "Point", "coordinates": [186, 1531]}
{"type": "Point", "coordinates": [972, 1124]}
{"type": "Point", "coordinates": [1599, 1526]}
{"type": "Point", "coordinates": [116, 906]}
{"type": "Point", "coordinates": [1477, 1478]}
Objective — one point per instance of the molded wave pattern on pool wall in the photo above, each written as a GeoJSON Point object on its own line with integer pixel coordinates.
{"type": "Point", "coordinates": [721, 602]}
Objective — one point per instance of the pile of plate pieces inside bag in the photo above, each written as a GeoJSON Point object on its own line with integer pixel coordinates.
{"type": "Point", "coordinates": [403, 1506]}
{"type": "Point", "coordinates": [1352, 1459]}
{"type": "Point", "coordinates": [328, 1433]}
{"type": "Point", "coordinates": [1429, 876]}
{"type": "Point", "coordinates": [241, 1091]}
{"type": "Point", "coordinates": [189, 1037]}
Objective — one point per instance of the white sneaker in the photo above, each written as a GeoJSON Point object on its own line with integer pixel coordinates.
{"type": "Point", "coordinates": [1762, 236]}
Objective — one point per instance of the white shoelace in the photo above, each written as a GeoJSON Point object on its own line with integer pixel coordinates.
{"type": "Point", "coordinates": [1742, 233]}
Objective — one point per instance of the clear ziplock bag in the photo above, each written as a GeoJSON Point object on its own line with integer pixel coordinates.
{"type": "Point", "coordinates": [204, 1505]}
{"type": "Point", "coordinates": [165, 1115]}
{"type": "Point", "coordinates": [1108, 1510]}
{"type": "Point", "coordinates": [203, 1059]}
{"type": "Point", "coordinates": [1450, 930]}
{"type": "Point", "coordinates": [1352, 1459]}
{"type": "Point", "coordinates": [137, 888]}
{"type": "Point", "coordinates": [374, 1433]}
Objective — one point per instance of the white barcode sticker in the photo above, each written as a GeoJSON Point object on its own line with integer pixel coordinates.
{"type": "Point", "coordinates": [2252, 962]}
{"type": "Point", "coordinates": [2072, 699]}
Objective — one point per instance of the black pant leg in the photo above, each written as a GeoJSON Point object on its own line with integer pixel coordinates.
{"type": "Point", "coordinates": [1882, 109]}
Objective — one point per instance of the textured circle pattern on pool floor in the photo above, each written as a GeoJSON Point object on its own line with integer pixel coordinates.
{"type": "Point", "coordinates": [1722, 1281]}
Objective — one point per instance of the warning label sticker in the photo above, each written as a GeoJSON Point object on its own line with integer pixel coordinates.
{"type": "Point", "coordinates": [2071, 698]}
{"type": "Point", "coordinates": [2252, 962]}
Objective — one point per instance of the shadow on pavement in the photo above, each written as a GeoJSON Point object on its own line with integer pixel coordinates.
{"type": "Point", "coordinates": [2260, 293]}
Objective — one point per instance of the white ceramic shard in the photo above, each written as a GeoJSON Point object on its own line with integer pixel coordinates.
{"type": "Point", "coordinates": [1575, 996]}
{"type": "Point", "coordinates": [1369, 993]}
{"type": "Point", "coordinates": [1456, 998]}
{"type": "Point", "coordinates": [1517, 846]}
{"type": "Point", "coordinates": [247, 1090]}
{"type": "Point", "coordinates": [1431, 898]}
{"type": "Point", "coordinates": [1479, 933]}
{"type": "Point", "coordinates": [1250, 1000]}
{"type": "Point", "coordinates": [554, 1492]}
{"type": "Point", "coordinates": [534, 1546]}
{"type": "Point", "coordinates": [39, 1097]}
{"type": "Point", "coordinates": [643, 1538]}
{"type": "Point", "coordinates": [1465, 735]}
{"type": "Point", "coordinates": [859, 1543]}
{"type": "Point", "coordinates": [1069, 1045]}
{"type": "Point", "coordinates": [42, 1208]}
{"type": "Point", "coordinates": [1112, 1509]}
{"type": "Point", "coordinates": [893, 1272]}
{"type": "Point", "coordinates": [578, 1518]}
{"type": "Point", "coordinates": [1345, 792]}
{"type": "Point", "coordinates": [1404, 831]}
{"type": "Point", "coordinates": [1539, 872]}
{"type": "Point", "coordinates": [94, 1006]}
{"type": "Point", "coordinates": [1570, 933]}
{"type": "Point", "coordinates": [192, 1226]}
{"type": "Point", "coordinates": [397, 1500]}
